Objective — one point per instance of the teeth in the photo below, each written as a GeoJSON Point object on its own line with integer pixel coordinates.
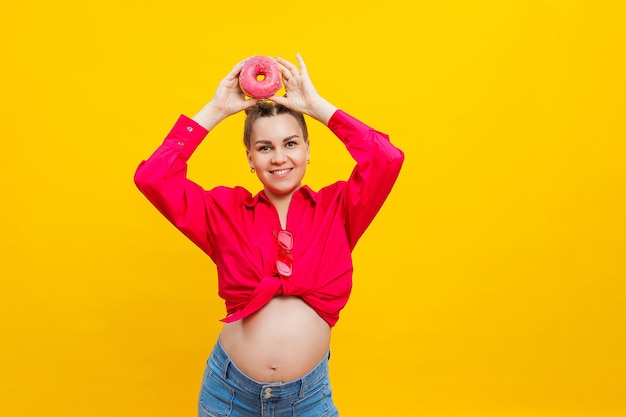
{"type": "Point", "coordinates": [281, 171]}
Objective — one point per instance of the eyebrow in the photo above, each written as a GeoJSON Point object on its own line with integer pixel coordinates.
{"type": "Point", "coordinates": [266, 142]}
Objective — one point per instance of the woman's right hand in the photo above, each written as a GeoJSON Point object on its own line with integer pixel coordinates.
{"type": "Point", "coordinates": [227, 100]}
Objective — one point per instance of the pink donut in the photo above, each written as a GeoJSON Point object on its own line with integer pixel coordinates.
{"type": "Point", "coordinates": [260, 77]}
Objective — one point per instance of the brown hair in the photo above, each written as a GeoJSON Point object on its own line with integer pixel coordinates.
{"type": "Point", "coordinates": [269, 109]}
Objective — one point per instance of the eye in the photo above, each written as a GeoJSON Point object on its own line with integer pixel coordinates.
{"type": "Point", "coordinates": [263, 148]}
{"type": "Point", "coordinates": [291, 144]}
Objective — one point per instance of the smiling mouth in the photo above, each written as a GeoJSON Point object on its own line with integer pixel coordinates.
{"type": "Point", "coordinates": [281, 171]}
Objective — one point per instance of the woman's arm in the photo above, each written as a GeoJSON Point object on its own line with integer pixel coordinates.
{"type": "Point", "coordinates": [162, 178]}
{"type": "Point", "coordinates": [378, 161]}
{"type": "Point", "coordinates": [378, 166]}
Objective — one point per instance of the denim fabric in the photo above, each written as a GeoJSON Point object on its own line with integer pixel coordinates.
{"type": "Point", "coordinates": [228, 392]}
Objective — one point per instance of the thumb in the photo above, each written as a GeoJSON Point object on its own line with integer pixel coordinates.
{"type": "Point", "coordinates": [249, 103]}
{"type": "Point", "coordinates": [279, 100]}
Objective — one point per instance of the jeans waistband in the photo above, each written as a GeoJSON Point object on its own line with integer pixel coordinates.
{"type": "Point", "coordinates": [220, 361]}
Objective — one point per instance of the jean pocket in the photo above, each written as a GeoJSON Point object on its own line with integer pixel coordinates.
{"type": "Point", "coordinates": [318, 403]}
{"type": "Point", "coordinates": [216, 397]}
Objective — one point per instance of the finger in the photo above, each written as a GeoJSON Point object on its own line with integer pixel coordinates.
{"type": "Point", "coordinates": [234, 73]}
{"type": "Point", "coordinates": [301, 63]}
{"type": "Point", "coordinates": [279, 100]}
{"type": "Point", "coordinates": [286, 72]}
{"type": "Point", "coordinates": [249, 103]}
{"type": "Point", "coordinates": [287, 64]}
{"type": "Point", "coordinates": [283, 61]}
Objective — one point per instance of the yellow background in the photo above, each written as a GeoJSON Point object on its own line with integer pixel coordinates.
{"type": "Point", "coordinates": [490, 284]}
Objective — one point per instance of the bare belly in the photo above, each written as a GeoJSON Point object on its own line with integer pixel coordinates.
{"type": "Point", "coordinates": [281, 342]}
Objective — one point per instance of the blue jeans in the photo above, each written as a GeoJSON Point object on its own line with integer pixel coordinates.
{"type": "Point", "coordinates": [228, 392]}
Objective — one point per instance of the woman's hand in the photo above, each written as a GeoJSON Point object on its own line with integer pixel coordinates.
{"type": "Point", "coordinates": [301, 94]}
{"type": "Point", "coordinates": [228, 100]}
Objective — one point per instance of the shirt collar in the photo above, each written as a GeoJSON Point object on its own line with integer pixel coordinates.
{"type": "Point", "coordinates": [306, 192]}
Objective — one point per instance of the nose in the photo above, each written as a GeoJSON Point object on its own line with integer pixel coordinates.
{"type": "Point", "coordinates": [279, 157]}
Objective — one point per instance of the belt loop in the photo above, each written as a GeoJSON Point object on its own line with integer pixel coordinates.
{"type": "Point", "coordinates": [302, 387]}
{"type": "Point", "coordinates": [225, 368]}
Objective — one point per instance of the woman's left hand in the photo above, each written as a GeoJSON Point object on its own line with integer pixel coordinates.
{"type": "Point", "coordinates": [301, 94]}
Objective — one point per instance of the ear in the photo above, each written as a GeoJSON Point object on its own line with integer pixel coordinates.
{"type": "Point", "coordinates": [249, 158]}
{"type": "Point", "coordinates": [308, 150]}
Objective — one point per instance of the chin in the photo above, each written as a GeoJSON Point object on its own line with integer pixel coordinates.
{"type": "Point", "coordinates": [282, 192]}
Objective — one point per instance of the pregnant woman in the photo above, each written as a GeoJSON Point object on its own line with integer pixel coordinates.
{"type": "Point", "coordinates": [283, 256]}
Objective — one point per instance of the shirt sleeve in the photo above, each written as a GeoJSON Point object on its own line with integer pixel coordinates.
{"type": "Point", "coordinates": [378, 166]}
{"type": "Point", "coordinates": [162, 178]}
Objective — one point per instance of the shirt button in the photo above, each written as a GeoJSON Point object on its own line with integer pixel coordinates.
{"type": "Point", "coordinates": [180, 143]}
{"type": "Point", "coordinates": [189, 129]}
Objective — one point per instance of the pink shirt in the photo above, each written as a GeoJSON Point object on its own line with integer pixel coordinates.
{"type": "Point", "coordinates": [237, 230]}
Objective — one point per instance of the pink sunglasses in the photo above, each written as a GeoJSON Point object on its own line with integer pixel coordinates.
{"type": "Point", "coordinates": [284, 261]}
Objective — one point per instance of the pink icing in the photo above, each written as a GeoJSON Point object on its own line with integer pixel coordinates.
{"type": "Point", "coordinates": [264, 66]}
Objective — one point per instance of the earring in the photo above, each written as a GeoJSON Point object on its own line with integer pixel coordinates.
{"type": "Point", "coordinates": [252, 170]}
{"type": "Point", "coordinates": [308, 161]}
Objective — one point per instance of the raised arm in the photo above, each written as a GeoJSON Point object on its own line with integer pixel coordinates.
{"type": "Point", "coordinates": [162, 178]}
{"type": "Point", "coordinates": [378, 166]}
{"type": "Point", "coordinates": [378, 160]}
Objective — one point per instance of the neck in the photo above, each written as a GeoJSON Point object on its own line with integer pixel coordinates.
{"type": "Point", "coordinates": [281, 204]}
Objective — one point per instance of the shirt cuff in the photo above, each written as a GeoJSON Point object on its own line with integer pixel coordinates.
{"type": "Point", "coordinates": [346, 127]}
{"type": "Point", "coordinates": [185, 136]}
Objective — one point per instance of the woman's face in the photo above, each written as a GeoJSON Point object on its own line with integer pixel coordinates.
{"type": "Point", "coordinates": [279, 154]}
